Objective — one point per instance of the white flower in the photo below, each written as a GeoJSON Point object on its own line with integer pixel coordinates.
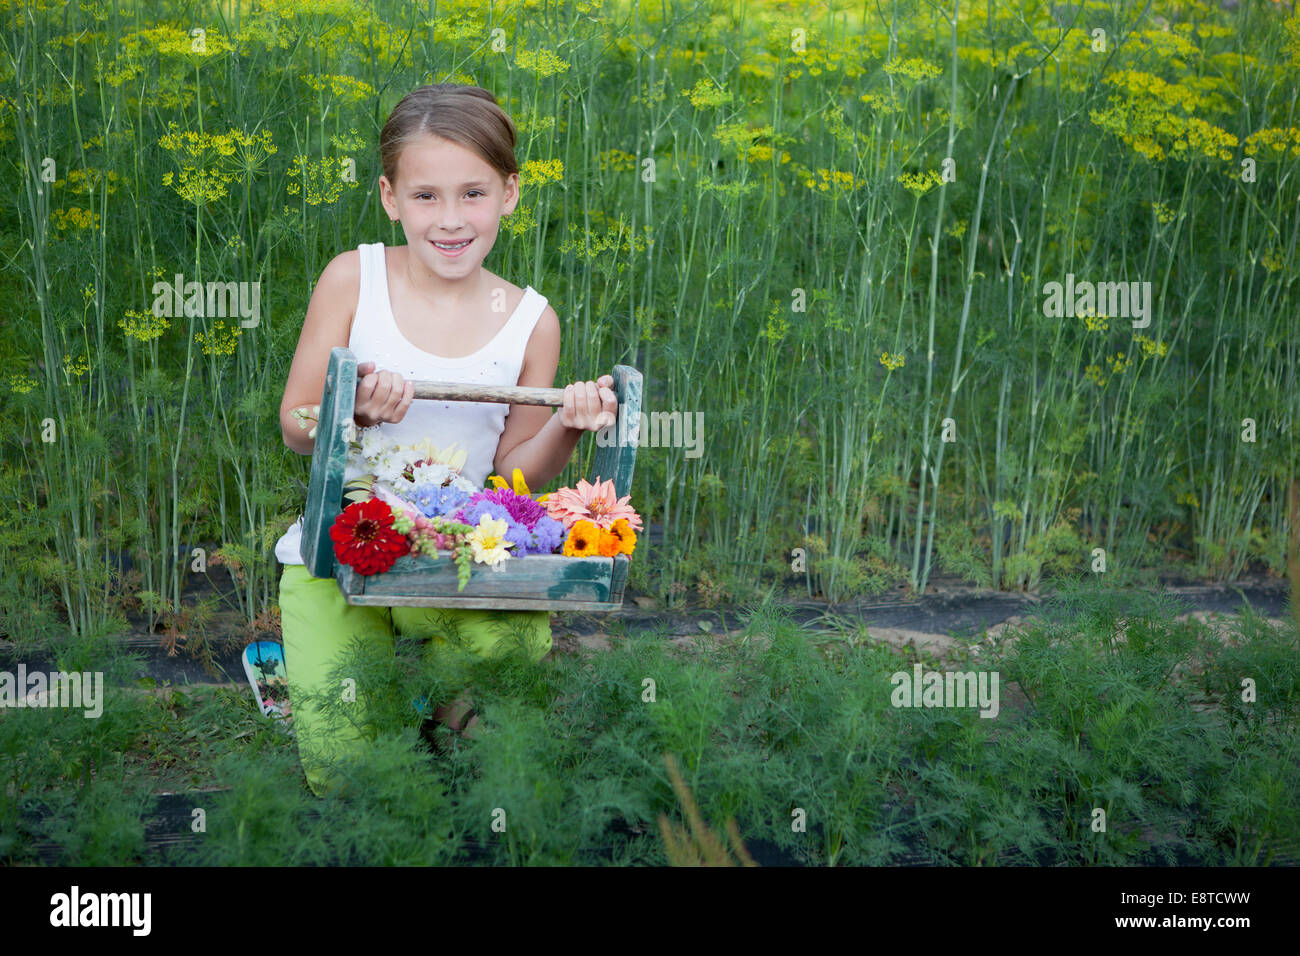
{"type": "Point", "coordinates": [435, 474]}
{"type": "Point", "coordinates": [373, 444]}
{"type": "Point", "coordinates": [464, 484]}
{"type": "Point", "coordinates": [488, 541]}
{"type": "Point", "coordinates": [390, 466]}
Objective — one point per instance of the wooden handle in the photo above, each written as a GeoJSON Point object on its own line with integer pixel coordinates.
{"type": "Point", "coordinates": [506, 394]}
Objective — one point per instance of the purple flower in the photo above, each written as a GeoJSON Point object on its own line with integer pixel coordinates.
{"type": "Point", "coordinates": [548, 534]}
{"type": "Point", "coordinates": [520, 507]}
{"type": "Point", "coordinates": [472, 511]}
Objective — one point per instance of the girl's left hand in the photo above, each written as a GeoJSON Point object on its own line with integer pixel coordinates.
{"type": "Point", "coordinates": [590, 406]}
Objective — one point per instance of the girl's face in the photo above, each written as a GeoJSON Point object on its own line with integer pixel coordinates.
{"type": "Point", "coordinates": [448, 194]}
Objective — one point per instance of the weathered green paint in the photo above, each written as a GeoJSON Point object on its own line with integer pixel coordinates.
{"type": "Point", "coordinates": [535, 582]}
{"type": "Point", "coordinates": [334, 429]}
{"type": "Point", "coordinates": [618, 461]}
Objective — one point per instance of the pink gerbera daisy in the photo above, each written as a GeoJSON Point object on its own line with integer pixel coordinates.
{"type": "Point", "coordinates": [596, 503]}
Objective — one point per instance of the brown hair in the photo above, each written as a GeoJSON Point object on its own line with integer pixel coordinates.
{"type": "Point", "coordinates": [466, 115]}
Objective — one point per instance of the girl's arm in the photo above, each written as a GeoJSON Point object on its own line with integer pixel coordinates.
{"type": "Point", "coordinates": [381, 395]}
{"type": "Point", "coordinates": [536, 441]}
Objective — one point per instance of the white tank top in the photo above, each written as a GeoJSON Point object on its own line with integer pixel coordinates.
{"type": "Point", "coordinates": [474, 426]}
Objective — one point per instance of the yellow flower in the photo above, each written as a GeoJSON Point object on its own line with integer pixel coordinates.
{"type": "Point", "coordinates": [706, 93]}
{"type": "Point", "coordinates": [892, 362]}
{"type": "Point", "coordinates": [149, 328]}
{"type": "Point", "coordinates": [521, 220]}
{"type": "Point", "coordinates": [346, 88]}
{"type": "Point", "coordinates": [583, 540]}
{"type": "Point", "coordinates": [1151, 347]}
{"type": "Point", "coordinates": [626, 536]}
{"type": "Point", "coordinates": [913, 68]}
{"type": "Point", "coordinates": [776, 327]}
{"type": "Point", "coordinates": [541, 172]}
{"type": "Point", "coordinates": [21, 384]}
{"type": "Point", "coordinates": [1277, 140]}
{"type": "Point", "coordinates": [488, 541]}
{"type": "Point", "coordinates": [78, 367]}
{"type": "Point", "coordinates": [74, 218]}
{"type": "Point", "coordinates": [918, 184]}
{"type": "Point", "coordinates": [617, 160]}
{"type": "Point", "coordinates": [542, 62]}
{"type": "Point", "coordinates": [221, 340]}
{"type": "Point", "coordinates": [1096, 323]}
{"type": "Point", "coordinates": [324, 179]}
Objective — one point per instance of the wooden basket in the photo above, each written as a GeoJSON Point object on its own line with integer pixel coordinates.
{"type": "Point", "coordinates": [534, 582]}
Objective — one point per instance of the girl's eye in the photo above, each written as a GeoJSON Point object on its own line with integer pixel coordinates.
{"type": "Point", "coordinates": [472, 192]}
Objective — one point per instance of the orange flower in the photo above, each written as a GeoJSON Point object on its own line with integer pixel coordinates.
{"type": "Point", "coordinates": [610, 543]}
{"type": "Point", "coordinates": [626, 536]}
{"type": "Point", "coordinates": [583, 540]}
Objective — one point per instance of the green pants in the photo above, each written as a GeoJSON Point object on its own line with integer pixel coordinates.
{"type": "Point", "coordinates": [319, 625]}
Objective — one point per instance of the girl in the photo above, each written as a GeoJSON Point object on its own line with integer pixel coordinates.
{"type": "Point", "coordinates": [427, 310]}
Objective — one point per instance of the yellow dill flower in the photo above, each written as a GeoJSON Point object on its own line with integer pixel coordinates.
{"type": "Point", "coordinates": [1118, 363]}
{"type": "Point", "coordinates": [892, 362]}
{"type": "Point", "coordinates": [918, 184]}
{"type": "Point", "coordinates": [83, 181]}
{"type": "Point", "coordinates": [1096, 323]}
{"type": "Point", "coordinates": [913, 68]}
{"type": "Point", "coordinates": [21, 384]}
{"type": "Point", "coordinates": [1271, 261]}
{"type": "Point", "coordinates": [1277, 141]}
{"type": "Point", "coordinates": [346, 88]}
{"type": "Point", "coordinates": [616, 160]}
{"type": "Point", "coordinates": [1094, 373]}
{"type": "Point", "coordinates": [77, 367]}
{"type": "Point", "coordinates": [541, 172]}
{"type": "Point", "coordinates": [222, 340]}
{"type": "Point", "coordinates": [74, 218]}
{"type": "Point", "coordinates": [542, 62]}
{"type": "Point", "coordinates": [348, 142]}
{"type": "Point", "coordinates": [740, 137]}
{"type": "Point", "coordinates": [776, 327]}
{"type": "Point", "coordinates": [148, 327]}
{"type": "Point", "coordinates": [1164, 215]}
{"type": "Point", "coordinates": [324, 179]}
{"type": "Point", "coordinates": [885, 102]}
{"type": "Point", "coordinates": [706, 93]}
{"type": "Point", "coordinates": [458, 27]}
{"type": "Point", "coordinates": [251, 151]}
{"type": "Point", "coordinates": [199, 186]}
{"type": "Point", "coordinates": [521, 220]}
{"type": "Point", "coordinates": [1151, 346]}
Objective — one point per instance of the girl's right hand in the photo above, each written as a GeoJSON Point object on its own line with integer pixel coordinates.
{"type": "Point", "coordinates": [382, 396]}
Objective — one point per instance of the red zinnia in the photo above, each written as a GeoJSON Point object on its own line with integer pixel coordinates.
{"type": "Point", "coordinates": [365, 539]}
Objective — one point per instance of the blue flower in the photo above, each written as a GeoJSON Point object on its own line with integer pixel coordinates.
{"type": "Point", "coordinates": [436, 500]}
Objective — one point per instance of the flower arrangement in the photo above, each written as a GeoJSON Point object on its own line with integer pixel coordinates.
{"type": "Point", "coordinates": [413, 500]}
